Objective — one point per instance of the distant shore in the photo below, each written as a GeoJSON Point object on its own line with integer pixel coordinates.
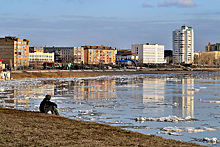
{"type": "Point", "coordinates": [93, 73]}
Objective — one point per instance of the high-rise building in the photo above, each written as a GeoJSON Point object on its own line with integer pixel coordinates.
{"type": "Point", "coordinates": [147, 53]}
{"type": "Point", "coordinates": [183, 45]}
{"type": "Point", "coordinates": [14, 51]}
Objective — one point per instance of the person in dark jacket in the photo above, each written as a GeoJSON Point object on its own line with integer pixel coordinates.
{"type": "Point", "coordinates": [46, 105]}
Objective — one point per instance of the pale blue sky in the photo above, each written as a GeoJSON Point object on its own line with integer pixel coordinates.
{"type": "Point", "coordinates": [116, 23]}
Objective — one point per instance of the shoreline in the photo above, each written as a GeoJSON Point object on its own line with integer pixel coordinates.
{"type": "Point", "coordinates": [90, 73]}
{"type": "Point", "coordinates": [26, 128]}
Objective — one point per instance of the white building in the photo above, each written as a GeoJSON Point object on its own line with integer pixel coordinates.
{"type": "Point", "coordinates": [42, 57]}
{"type": "Point", "coordinates": [148, 53]}
{"type": "Point", "coordinates": [183, 45]}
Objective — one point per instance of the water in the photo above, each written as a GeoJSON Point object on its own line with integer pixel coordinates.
{"type": "Point", "coordinates": [119, 100]}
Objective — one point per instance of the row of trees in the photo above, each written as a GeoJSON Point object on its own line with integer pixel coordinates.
{"type": "Point", "coordinates": [209, 59]}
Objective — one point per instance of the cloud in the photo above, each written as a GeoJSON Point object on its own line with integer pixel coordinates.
{"type": "Point", "coordinates": [146, 5]}
{"type": "Point", "coordinates": [113, 32]}
{"type": "Point", "coordinates": [177, 3]}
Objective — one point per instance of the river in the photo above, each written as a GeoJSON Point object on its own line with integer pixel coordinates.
{"type": "Point", "coordinates": [181, 106]}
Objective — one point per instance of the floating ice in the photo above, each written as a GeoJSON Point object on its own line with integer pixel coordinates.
{"type": "Point", "coordinates": [213, 140]}
{"type": "Point", "coordinates": [171, 129]}
{"type": "Point", "coordinates": [170, 118]}
{"type": "Point", "coordinates": [211, 101]}
{"type": "Point", "coordinates": [83, 111]}
{"type": "Point", "coordinates": [188, 129]}
{"type": "Point", "coordinates": [203, 87]}
{"type": "Point", "coordinates": [170, 133]}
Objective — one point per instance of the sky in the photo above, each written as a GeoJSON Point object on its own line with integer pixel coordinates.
{"type": "Point", "coordinates": [115, 23]}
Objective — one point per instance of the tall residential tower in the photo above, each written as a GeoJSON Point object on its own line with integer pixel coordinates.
{"type": "Point", "coordinates": [183, 45]}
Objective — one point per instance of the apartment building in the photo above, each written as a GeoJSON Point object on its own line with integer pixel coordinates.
{"type": "Point", "coordinates": [37, 59]}
{"type": "Point", "coordinates": [14, 51]}
{"type": "Point", "coordinates": [73, 55]}
{"type": "Point", "coordinates": [99, 54]}
{"type": "Point", "coordinates": [149, 54]}
{"type": "Point", "coordinates": [212, 47]}
{"type": "Point", "coordinates": [183, 45]}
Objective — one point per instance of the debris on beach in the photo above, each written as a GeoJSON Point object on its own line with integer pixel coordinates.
{"type": "Point", "coordinates": [170, 118]}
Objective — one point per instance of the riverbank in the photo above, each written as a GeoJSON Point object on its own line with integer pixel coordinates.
{"type": "Point", "coordinates": [91, 73]}
{"type": "Point", "coordinates": [23, 128]}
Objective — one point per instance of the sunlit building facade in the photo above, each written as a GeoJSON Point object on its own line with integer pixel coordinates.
{"type": "Point", "coordinates": [99, 55]}
{"type": "Point", "coordinates": [149, 54]}
{"type": "Point", "coordinates": [73, 55]}
{"type": "Point", "coordinates": [41, 57]}
{"type": "Point", "coordinates": [183, 45]}
{"type": "Point", "coordinates": [14, 51]}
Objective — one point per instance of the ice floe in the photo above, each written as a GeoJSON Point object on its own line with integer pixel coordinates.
{"type": "Point", "coordinates": [83, 111]}
{"type": "Point", "coordinates": [170, 133]}
{"type": "Point", "coordinates": [170, 118]}
{"type": "Point", "coordinates": [213, 140]}
{"type": "Point", "coordinates": [211, 101]}
{"type": "Point", "coordinates": [188, 129]}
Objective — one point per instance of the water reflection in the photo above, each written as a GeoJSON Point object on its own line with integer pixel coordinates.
{"type": "Point", "coordinates": [153, 90]}
{"type": "Point", "coordinates": [93, 89]}
{"type": "Point", "coordinates": [149, 90]}
{"type": "Point", "coordinates": [183, 98]}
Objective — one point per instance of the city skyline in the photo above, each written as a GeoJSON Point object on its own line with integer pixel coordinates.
{"type": "Point", "coordinates": [111, 23]}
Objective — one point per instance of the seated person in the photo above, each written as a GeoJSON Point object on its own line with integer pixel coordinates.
{"type": "Point", "coordinates": [46, 105]}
